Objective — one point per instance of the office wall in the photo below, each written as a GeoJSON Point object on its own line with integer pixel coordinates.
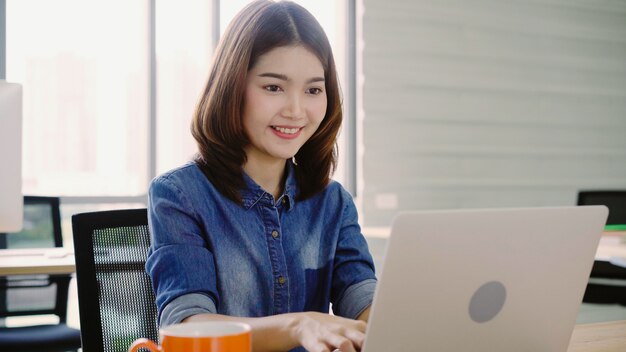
{"type": "Point", "coordinates": [490, 103]}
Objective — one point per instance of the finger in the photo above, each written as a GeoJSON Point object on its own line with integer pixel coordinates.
{"type": "Point", "coordinates": [357, 337]}
{"type": "Point", "coordinates": [341, 342]}
{"type": "Point", "coordinates": [347, 346]}
{"type": "Point", "coordinates": [317, 346]}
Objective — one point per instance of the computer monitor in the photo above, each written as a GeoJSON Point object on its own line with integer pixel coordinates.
{"type": "Point", "coordinates": [11, 199]}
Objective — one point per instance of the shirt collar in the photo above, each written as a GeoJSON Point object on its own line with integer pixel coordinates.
{"type": "Point", "coordinates": [253, 193]}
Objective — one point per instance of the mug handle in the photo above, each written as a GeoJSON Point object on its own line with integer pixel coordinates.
{"type": "Point", "coordinates": [143, 343]}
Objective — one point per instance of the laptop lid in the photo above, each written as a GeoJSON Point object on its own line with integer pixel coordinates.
{"type": "Point", "coordinates": [484, 280]}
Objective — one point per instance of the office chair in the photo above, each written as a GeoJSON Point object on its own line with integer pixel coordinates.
{"type": "Point", "coordinates": [25, 295]}
{"type": "Point", "coordinates": [614, 200]}
{"type": "Point", "coordinates": [603, 287]}
{"type": "Point", "coordinates": [115, 297]}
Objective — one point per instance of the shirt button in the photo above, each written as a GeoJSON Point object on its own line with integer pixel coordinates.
{"type": "Point", "coordinates": [275, 234]}
{"type": "Point", "coordinates": [282, 280]}
{"type": "Point", "coordinates": [284, 201]}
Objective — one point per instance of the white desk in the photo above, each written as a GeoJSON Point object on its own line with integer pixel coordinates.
{"type": "Point", "coordinates": [612, 247]}
{"type": "Point", "coordinates": [34, 261]}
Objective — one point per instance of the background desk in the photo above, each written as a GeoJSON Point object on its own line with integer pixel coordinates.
{"type": "Point", "coordinates": [61, 260]}
{"type": "Point", "coordinates": [600, 337]}
{"type": "Point", "coordinates": [612, 248]}
{"type": "Point", "coordinates": [36, 261]}
{"type": "Point", "coordinates": [607, 282]}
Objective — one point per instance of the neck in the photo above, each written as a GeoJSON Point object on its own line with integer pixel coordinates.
{"type": "Point", "coordinates": [267, 174]}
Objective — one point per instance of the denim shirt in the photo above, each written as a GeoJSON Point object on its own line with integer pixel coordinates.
{"type": "Point", "coordinates": [264, 257]}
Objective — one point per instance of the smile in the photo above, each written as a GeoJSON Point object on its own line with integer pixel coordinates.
{"type": "Point", "coordinates": [286, 130]}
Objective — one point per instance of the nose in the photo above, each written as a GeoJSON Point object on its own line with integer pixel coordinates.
{"type": "Point", "coordinates": [294, 106]}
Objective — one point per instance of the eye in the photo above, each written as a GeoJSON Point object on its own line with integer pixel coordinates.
{"type": "Point", "coordinates": [272, 88]}
{"type": "Point", "coordinates": [314, 91]}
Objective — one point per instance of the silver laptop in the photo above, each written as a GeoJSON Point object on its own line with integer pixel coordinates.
{"type": "Point", "coordinates": [484, 280]}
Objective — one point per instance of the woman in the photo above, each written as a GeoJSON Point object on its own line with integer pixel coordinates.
{"type": "Point", "coordinates": [253, 230]}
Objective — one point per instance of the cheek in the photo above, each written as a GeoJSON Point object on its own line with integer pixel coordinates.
{"type": "Point", "coordinates": [253, 110]}
{"type": "Point", "coordinates": [318, 110]}
{"type": "Point", "coordinates": [261, 106]}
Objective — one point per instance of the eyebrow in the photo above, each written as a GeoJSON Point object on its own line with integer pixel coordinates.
{"type": "Point", "coordinates": [285, 78]}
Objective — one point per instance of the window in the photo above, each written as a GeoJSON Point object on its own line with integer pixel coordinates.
{"type": "Point", "coordinates": [184, 46]}
{"type": "Point", "coordinates": [110, 88]}
{"type": "Point", "coordinates": [85, 96]}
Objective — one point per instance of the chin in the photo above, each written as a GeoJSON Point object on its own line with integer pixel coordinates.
{"type": "Point", "coordinates": [284, 155]}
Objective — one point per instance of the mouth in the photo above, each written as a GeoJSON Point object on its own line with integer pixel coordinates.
{"type": "Point", "coordinates": [287, 130]}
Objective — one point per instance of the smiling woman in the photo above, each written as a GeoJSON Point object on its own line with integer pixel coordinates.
{"type": "Point", "coordinates": [276, 240]}
{"type": "Point", "coordinates": [216, 125]}
{"type": "Point", "coordinates": [336, 18]}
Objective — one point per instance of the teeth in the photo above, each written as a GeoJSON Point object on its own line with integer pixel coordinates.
{"type": "Point", "coordinates": [286, 130]}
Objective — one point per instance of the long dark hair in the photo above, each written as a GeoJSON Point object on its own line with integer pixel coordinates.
{"type": "Point", "coordinates": [217, 122]}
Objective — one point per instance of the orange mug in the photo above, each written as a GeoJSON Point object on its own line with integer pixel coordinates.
{"type": "Point", "coordinates": [209, 336]}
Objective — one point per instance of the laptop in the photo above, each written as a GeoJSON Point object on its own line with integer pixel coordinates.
{"type": "Point", "coordinates": [484, 280]}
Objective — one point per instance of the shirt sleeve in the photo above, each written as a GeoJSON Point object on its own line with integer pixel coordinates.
{"type": "Point", "coordinates": [179, 261]}
{"type": "Point", "coordinates": [185, 306]}
{"type": "Point", "coordinates": [354, 280]}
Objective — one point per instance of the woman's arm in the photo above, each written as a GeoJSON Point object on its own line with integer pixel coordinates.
{"type": "Point", "coordinates": [316, 332]}
{"type": "Point", "coordinates": [365, 315]}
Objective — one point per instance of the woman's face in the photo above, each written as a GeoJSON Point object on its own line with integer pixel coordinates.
{"type": "Point", "coordinates": [285, 102]}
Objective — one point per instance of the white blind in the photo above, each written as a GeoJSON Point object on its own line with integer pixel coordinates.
{"type": "Point", "coordinates": [490, 103]}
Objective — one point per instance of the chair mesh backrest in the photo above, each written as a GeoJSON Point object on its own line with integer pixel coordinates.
{"type": "Point", "coordinates": [22, 295]}
{"type": "Point", "coordinates": [123, 300]}
{"type": "Point", "coordinates": [28, 295]}
{"type": "Point", "coordinates": [124, 287]}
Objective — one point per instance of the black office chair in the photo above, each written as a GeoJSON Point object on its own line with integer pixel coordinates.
{"type": "Point", "coordinates": [25, 295]}
{"type": "Point", "coordinates": [115, 297]}
{"type": "Point", "coordinates": [601, 287]}
{"type": "Point", "coordinates": [615, 200]}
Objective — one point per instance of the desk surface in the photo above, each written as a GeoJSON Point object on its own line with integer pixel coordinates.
{"type": "Point", "coordinates": [36, 261]}
{"type": "Point", "coordinates": [612, 248]}
{"type": "Point", "coordinates": [61, 260]}
{"type": "Point", "coordinates": [599, 337]}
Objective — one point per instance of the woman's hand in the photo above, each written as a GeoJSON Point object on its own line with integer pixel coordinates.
{"type": "Point", "coordinates": [316, 332]}
{"type": "Point", "coordinates": [320, 332]}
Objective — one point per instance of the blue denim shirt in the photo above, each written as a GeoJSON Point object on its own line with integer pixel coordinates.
{"type": "Point", "coordinates": [265, 257]}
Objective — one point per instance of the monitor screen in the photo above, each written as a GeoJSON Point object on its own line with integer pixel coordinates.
{"type": "Point", "coordinates": [11, 199]}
